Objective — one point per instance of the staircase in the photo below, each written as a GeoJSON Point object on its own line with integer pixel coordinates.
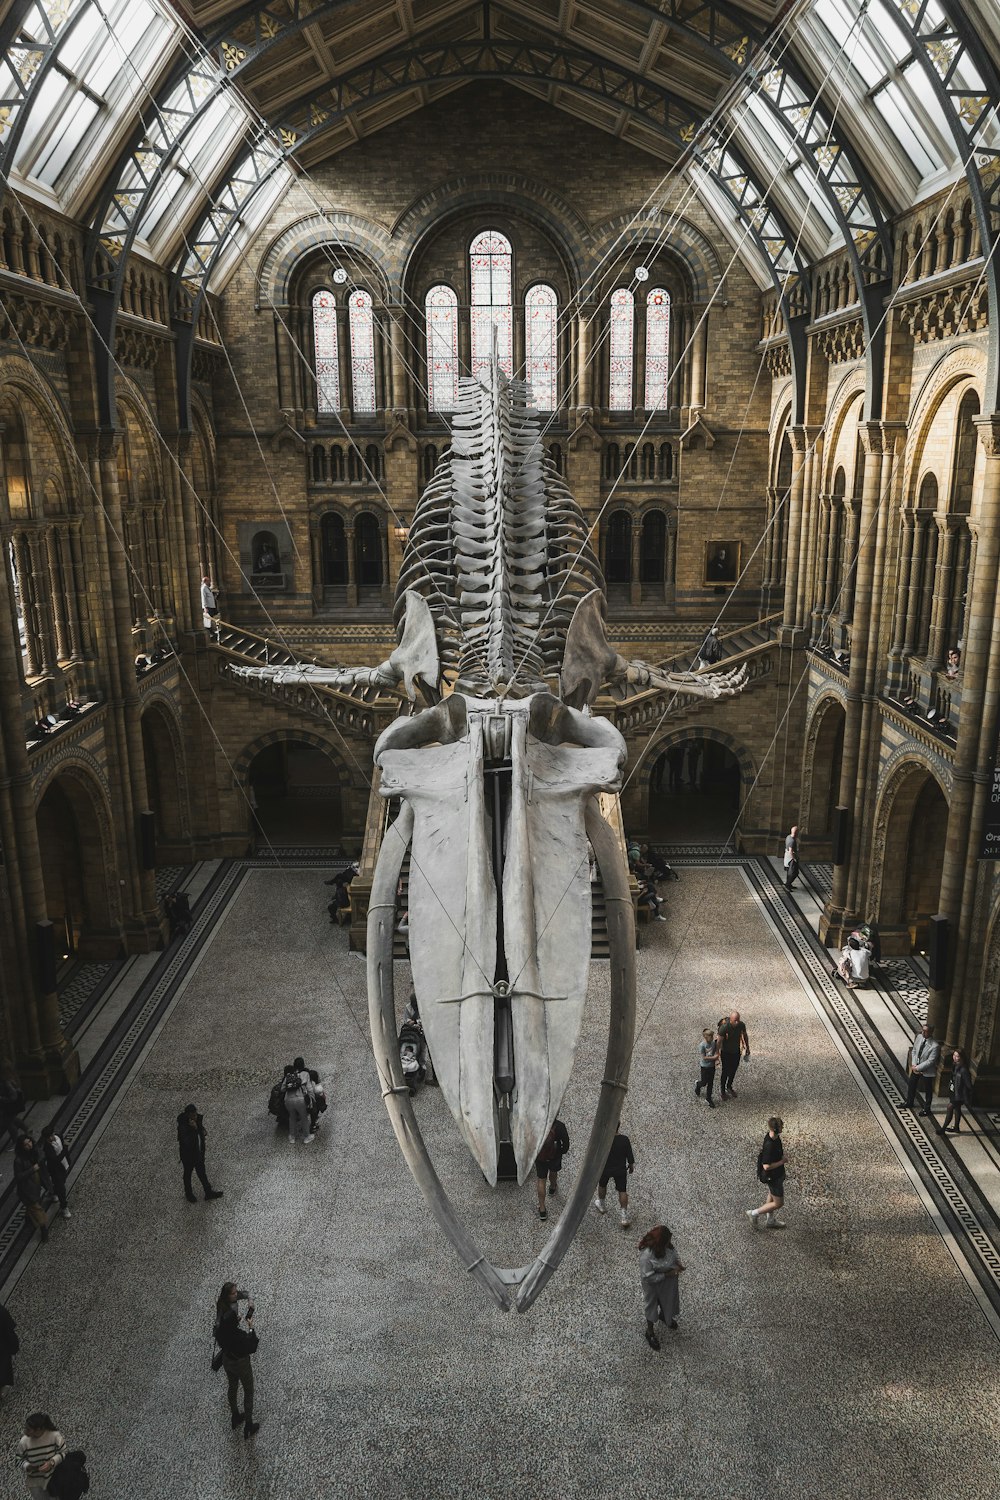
{"type": "Point", "coordinates": [381, 814]}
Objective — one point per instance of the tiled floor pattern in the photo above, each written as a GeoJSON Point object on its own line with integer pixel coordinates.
{"type": "Point", "coordinates": [382, 1371]}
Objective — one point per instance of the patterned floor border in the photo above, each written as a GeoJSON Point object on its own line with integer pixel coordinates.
{"type": "Point", "coordinates": [968, 1223]}
{"type": "Point", "coordinates": [80, 1114]}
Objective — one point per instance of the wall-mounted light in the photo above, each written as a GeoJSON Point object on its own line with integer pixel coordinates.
{"type": "Point", "coordinates": [401, 533]}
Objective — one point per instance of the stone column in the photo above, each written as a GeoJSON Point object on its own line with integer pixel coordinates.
{"type": "Point", "coordinates": [352, 582]}
{"type": "Point", "coordinates": [635, 587]}
{"type": "Point", "coordinates": [699, 355]}
{"type": "Point", "coordinates": [925, 612]}
{"type": "Point", "coordinates": [835, 542]}
{"type": "Point", "coordinates": [25, 588]}
{"type": "Point", "coordinates": [835, 918]}
{"type": "Point", "coordinates": [807, 542]}
{"type": "Point", "coordinates": [849, 567]}
{"type": "Point", "coordinates": [798, 437]}
{"type": "Point", "coordinates": [822, 588]}
{"type": "Point", "coordinates": [57, 586]}
{"type": "Point", "coordinates": [397, 358]}
{"type": "Point", "coordinates": [72, 574]}
{"type": "Point", "coordinates": [908, 531]}
{"type": "Point", "coordinates": [976, 747]}
{"type": "Point", "coordinates": [921, 522]}
{"type": "Point", "coordinates": [937, 645]}
{"type": "Point", "coordinates": [584, 380]}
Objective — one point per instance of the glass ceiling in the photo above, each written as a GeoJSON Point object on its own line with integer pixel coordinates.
{"type": "Point", "coordinates": [87, 71]}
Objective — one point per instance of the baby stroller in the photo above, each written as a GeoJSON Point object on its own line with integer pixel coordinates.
{"type": "Point", "coordinates": [413, 1054]}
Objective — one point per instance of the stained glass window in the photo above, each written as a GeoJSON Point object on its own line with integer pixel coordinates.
{"type": "Point", "coordinates": [362, 326]}
{"type": "Point", "coordinates": [657, 349]}
{"type": "Point", "coordinates": [325, 345]}
{"type": "Point", "coordinates": [620, 352]}
{"type": "Point", "coordinates": [541, 362]}
{"type": "Point", "coordinates": [441, 311]}
{"type": "Point", "coordinates": [490, 257]}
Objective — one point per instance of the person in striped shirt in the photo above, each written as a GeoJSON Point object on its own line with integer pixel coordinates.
{"type": "Point", "coordinates": [39, 1451]}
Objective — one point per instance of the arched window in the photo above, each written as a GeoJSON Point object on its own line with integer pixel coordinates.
{"type": "Point", "coordinates": [490, 264]}
{"type": "Point", "coordinates": [337, 464]}
{"type": "Point", "coordinates": [665, 468]}
{"type": "Point", "coordinates": [620, 349]}
{"type": "Point", "coordinates": [319, 464]}
{"type": "Point", "coordinates": [612, 461]}
{"type": "Point", "coordinates": [653, 547]}
{"type": "Point", "coordinates": [441, 311]}
{"type": "Point", "coordinates": [333, 545]}
{"type": "Point", "coordinates": [367, 552]}
{"type": "Point", "coordinates": [540, 364]}
{"type": "Point", "coordinates": [657, 350]}
{"type": "Point", "coordinates": [429, 459]}
{"type": "Point", "coordinates": [324, 310]}
{"type": "Point", "coordinates": [618, 548]}
{"type": "Point", "coordinates": [361, 320]}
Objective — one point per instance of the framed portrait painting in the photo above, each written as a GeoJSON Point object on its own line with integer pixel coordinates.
{"type": "Point", "coordinates": [722, 563]}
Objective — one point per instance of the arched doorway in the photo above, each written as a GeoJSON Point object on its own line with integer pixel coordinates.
{"type": "Point", "coordinates": [163, 785]}
{"type": "Point", "coordinates": [824, 792]}
{"type": "Point", "coordinates": [915, 829]}
{"type": "Point", "coordinates": [297, 791]}
{"type": "Point", "coordinates": [694, 793]}
{"type": "Point", "coordinates": [73, 872]}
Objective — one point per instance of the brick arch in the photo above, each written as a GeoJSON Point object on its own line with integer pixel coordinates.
{"type": "Point", "coordinates": [818, 741]}
{"type": "Point", "coordinates": [169, 787]}
{"type": "Point", "coordinates": [277, 265]}
{"type": "Point", "coordinates": [495, 193]}
{"type": "Point", "coordinates": [683, 735]}
{"type": "Point", "coordinates": [246, 757]}
{"type": "Point", "coordinates": [46, 423]}
{"type": "Point", "coordinates": [891, 833]}
{"type": "Point", "coordinates": [678, 237]}
{"type": "Point", "coordinates": [90, 806]}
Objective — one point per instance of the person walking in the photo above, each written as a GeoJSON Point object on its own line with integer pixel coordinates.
{"type": "Point", "coordinates": [10, 1345]}
{"type": "Point", "coordinates": [549, 1162]}
{"type": "Point", "coordinates": [924, 1059]}
{"type": "Point", "coordinates": [734, 1044]}
{"type": "Point", "coordinates": [296, 1090]}
{"type": "Point", "coordinates": [771, 1171]}
{"type": "Point", "coordinates": [708, 1056]}
{"type": "Point", "coordinates": [792, 857]}
{"type": "Point", "coordinates": [191, 1138]}
{"type": "Point", "coordinates": [619, 1165]}
{"type": "Point", "coordinates": [960, 1094]}
{"type": "Point", "coordinates": [32, 1182]}
{"type": "Point", "coordinates": [40, 1451]}
{"type": "Point", "coordinates": [710, 650]}
{"type": "Point", "coordinates": [238, 1345]}
{"type": "Point", "coordinates": [57, 1164]}
{"type": "Point", "coordinates": [659, 1268]}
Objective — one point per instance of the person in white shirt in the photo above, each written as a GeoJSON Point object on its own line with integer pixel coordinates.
{"type": "Point", "coordinates": [854, 967]}
{"type": "Point", "coordinates": [209, 603]}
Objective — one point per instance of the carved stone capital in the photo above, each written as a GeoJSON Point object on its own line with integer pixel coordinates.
{"type": "Point", "coordinates": [802, 438]}
{"type": "Point", "coordinates": [988, 429]}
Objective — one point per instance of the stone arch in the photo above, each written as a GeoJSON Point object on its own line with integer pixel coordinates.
{"type": "Point", "coordinates": [677, 236]}
{"type": "Point", "coordinates": [79, 868]}
{"type": "Point", "coordinates": [824, 744]}
{"type": "Point", "coordinates": [683, 736]}
{"type": "Point", "coordinates": [47, 427]}
{"type": "Point", "coordinates": [907, 853]}
{"type": "Point", "coordinates": [166, 778]}
{"type": "Point", "coordinates": [288, 808]}
{"type": "Point", "coordinates": [964, 366]}
{"type": "Point", "coordinates": [277, 266]}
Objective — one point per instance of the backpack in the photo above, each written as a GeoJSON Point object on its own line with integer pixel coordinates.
{"type": "Point", "coordinates": [274, 1100]}
{"type": "Point", "coordinates": [292, 1083]}
{"type": "Point", "coordinates": [70, 1478]}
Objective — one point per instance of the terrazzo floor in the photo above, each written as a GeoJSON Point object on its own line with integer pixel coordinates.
{"type": "Point", "coordinates": [844, 1357]}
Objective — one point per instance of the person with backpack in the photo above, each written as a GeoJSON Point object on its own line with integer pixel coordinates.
{"type": "Point", "coordinates": [237, 1345]}
{"type": "Point", "coordinates": [296, 1091]}
{"type": "Point", "coordinates": [191, 1138]}
{"type": "Point", "coordinates": [548, 1163]}
{"type": "Point", "coordinates": [771, 1171]}
{"type": "Point", "coordinates": [57, 1164]}
{"type": "Point", "coordinates": [40, 1451]}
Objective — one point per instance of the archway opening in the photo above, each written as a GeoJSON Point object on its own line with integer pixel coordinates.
{"type": "Point", "coordinates": [694, 793]}
{"type": "Point", "coordinates": [828, 754]}
{"type": "Point", "coordinates": [297, 791]}
{"type": "Point", "coordinates": [73, 873]}
{"type": "Point", "coordinates": [914, 859]}
{"type": "Point", "coordinates": [163, 786]}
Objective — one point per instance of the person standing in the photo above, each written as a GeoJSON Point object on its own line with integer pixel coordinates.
{"type": "Point", "coordinates": [191, 1138]}
{"type": "Point", "coordinates": [32, 1182]}
{"type": "Point", "coordinates": [734, 1044]}
{"type": "Point", "coordinates": [659, 1268]}
{"type": "Point", "coordinates": [710, 650]}
{"type": "Point", "coordinates": [238, 1345]}
{"type": "Point", "coordinates": [57, 1164]}
{"type": "Point", "coordinates": [619, 1165]}
{"type": "Point", "coordinates": [960, 1094]}
{"type": "Point", "coordinates": [209, 604]}
{"type": "Point", "coordinates": [924, 1059]}
{"type": "Point", "coordinates": [40, 1450]}
{"type": "Point", "coordinates": [708, 1056]}
{"type": "Point", "coordinates": [10, 1344]}
{"type": "Point", "coordinates": [771, 1171]}
{"type": "Point", "coordinates": [549, 1162]}
{"type": "Point", "coordinates": [792, 857]}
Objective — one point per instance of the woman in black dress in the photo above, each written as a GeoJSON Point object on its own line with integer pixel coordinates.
{"type": "Point", "coordinates": [771, 1171]}
{"type": "Point", "coordinates": [961, 1093]}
